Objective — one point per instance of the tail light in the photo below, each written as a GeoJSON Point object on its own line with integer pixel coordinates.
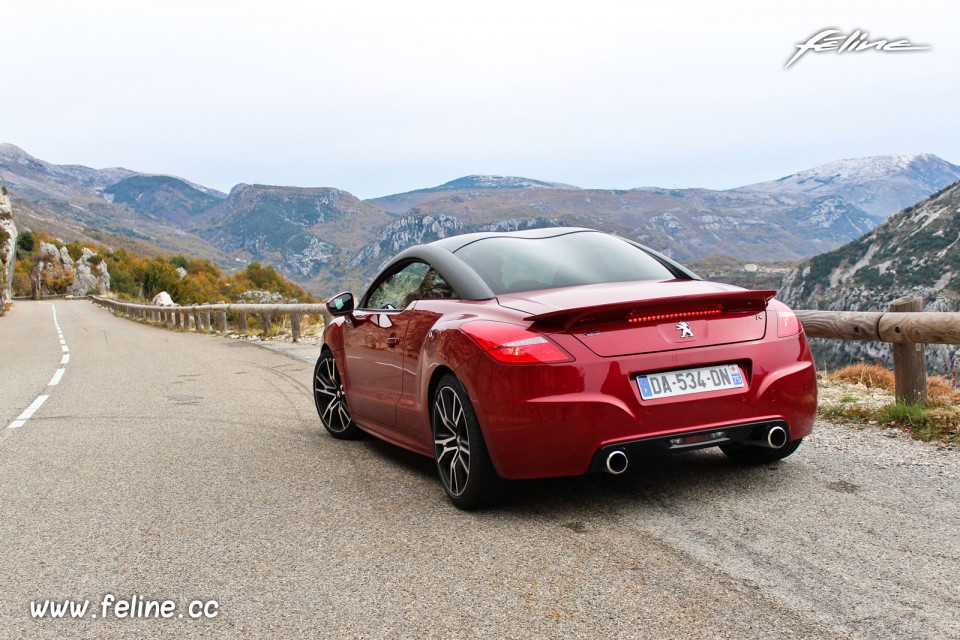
{"type": "Point", "coordinates": [787, 322]}
{"type": "Point", "coordinates": [512, 344]}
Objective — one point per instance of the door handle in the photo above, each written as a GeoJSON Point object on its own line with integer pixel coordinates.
{"type": "Point", "coordinates": [393, 340]}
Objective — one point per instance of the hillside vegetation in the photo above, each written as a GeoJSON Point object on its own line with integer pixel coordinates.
{"type": "Point", "coordinates": [137, 277]}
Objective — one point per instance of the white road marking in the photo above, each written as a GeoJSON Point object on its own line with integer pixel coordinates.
{"type": "Point", "coordinates": [28, 413]}
{"type": "Point", "coordinates": [55, 380]}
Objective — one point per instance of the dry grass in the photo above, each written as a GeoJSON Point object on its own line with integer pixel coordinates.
{"type": "Point", "coordinates": [872, 376]}
{"type": "Point", "coordinates": [863, 394]}
{"type": "Point", "coordinates": [940, 389]}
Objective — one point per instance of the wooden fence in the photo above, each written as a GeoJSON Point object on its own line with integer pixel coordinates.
{"type": "Point", "coordinates": [905, 326]}
{"type": "Point", "coordinates": [213, 317]}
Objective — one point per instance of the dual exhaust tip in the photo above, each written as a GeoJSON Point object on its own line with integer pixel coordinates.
{"type": "Point", "coordinates": [773, 438]}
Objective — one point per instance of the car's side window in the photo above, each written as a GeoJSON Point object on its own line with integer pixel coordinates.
{"type": "Point", "coordinates": [416, 281]}
{"type": "Point", "coordinates": [433, 287]}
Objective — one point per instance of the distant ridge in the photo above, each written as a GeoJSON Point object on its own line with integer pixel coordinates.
{"type": "Point", "coordinates": [498, 182]}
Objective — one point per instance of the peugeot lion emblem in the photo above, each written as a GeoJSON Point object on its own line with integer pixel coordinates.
{"type": "Point", "coordinates": [685, 330]}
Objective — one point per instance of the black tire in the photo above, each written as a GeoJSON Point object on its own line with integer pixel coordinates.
{"type": "Point", "coordinates": [331, 401]}
{"type": "Point", "coordinates": [463, 462]}
{"type": "Point", "coordinates": [753, 455]}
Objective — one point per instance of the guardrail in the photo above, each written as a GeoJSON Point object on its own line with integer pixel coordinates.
{"type": "Point", "coordinates": [203, 317]}
{"type": "Point", "coordinates": [905, 326]}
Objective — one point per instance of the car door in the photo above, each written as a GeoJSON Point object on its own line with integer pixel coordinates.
{"type": "Point", "coordinates": [374, 344]}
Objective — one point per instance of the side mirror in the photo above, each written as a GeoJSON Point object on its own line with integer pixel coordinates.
{"type": "Point", "coordinates": [340, 304]}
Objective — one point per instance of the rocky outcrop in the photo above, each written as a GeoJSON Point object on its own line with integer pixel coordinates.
{"type": "Point", "coordinates": [55, 272]}
{"type": "Point", "coordinates": [8, 246]}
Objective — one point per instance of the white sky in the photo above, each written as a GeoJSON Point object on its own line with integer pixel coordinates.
{"type": "Point", "coordinates": [380, 97]}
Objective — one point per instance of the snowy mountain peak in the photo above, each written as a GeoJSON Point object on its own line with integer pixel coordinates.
{"type": "Point", "coordinates": [872, 168]}
{"type": "Point", "coordinates": [881, 185]}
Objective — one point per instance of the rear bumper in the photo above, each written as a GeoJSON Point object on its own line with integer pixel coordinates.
{"type": "Point", "coordinates": [555, 420]}
{"type": "Point", "coordinates": [737, 434]}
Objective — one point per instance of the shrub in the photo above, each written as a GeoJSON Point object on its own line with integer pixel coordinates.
{"type": "Point", "coordinates": [25, 242]}
{"type": "Point", "coordinates": [75, 249]}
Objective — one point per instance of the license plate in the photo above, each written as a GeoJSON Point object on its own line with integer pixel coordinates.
{"type": "Point", "coordinates": [686, 381]}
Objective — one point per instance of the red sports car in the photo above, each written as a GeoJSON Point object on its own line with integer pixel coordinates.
{"type": "Point", "coordinates": [555, 352]}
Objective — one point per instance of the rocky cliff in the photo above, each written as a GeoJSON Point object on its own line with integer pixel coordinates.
{"type": "Point", "coordinates": [8, 244]}
{"type": "Point", "coordinates": [914, 253]}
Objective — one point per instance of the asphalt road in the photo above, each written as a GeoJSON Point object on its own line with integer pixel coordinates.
{"type": "Point", "coordinates": [186, 467]}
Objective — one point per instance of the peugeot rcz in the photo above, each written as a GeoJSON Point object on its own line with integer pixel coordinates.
{"type": "Point", "coordinates": [555, 352]}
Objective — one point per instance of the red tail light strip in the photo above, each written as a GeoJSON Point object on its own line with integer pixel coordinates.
{"type": "Point", "coordinates": [637, 317]}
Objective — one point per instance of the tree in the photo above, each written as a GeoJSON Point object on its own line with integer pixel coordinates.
{"type": "Point", "coordinates": [159, 276]}
{"type": "Point", "coordinates": [196, 289]}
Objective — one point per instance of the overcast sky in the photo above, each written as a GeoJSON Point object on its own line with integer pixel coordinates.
{"type": "Point", "coordinates": [381, 97]}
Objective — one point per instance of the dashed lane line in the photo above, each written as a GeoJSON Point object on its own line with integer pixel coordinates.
{"type": "Point", "coordinates": [54, 381]}
{"type": "Point", "coordinates": [28, 413]}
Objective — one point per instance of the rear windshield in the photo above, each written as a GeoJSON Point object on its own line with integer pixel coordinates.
{"type": "Point", "coordinates": [510, 265]}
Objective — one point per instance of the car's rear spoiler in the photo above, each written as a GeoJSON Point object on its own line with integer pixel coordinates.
{"type": "Point", "coordinates": [604, 313]}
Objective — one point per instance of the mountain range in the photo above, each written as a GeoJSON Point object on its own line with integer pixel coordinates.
{"type": "Point", "coordinates": [327, 239]}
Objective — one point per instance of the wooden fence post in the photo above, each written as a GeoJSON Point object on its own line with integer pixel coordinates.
{"type": "Point", "coordinates": [222, 321]}
{"type": "Point", "coordinates": [265, 318]}
{"type": "Point", "coordinates": [243, 321]}
{"type": "Point", "coordinates": [295, 326]}
{"type": "Point", "coordinates": [197, 325]}
{"type": "Point", "coordinates": [909, 362]}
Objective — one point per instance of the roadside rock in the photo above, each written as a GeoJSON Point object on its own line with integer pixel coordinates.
{"type": "Point", "coordinates": [8, 245]}
{"type": "Point", "coordinates": [163, 299]}
{"type": "Point", "coordinates": [56, 272]}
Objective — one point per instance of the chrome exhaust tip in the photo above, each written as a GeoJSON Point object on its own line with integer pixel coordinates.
{"type": "Point", "coordinates": [776, 437]}
{"type": "Point", "coordinates": [617, 462]}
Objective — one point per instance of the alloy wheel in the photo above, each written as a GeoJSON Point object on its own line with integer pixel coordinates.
{"type": "Point", "coordinates": [451, 440]}
{"type": "Point", "coordinates": [329, 396]}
